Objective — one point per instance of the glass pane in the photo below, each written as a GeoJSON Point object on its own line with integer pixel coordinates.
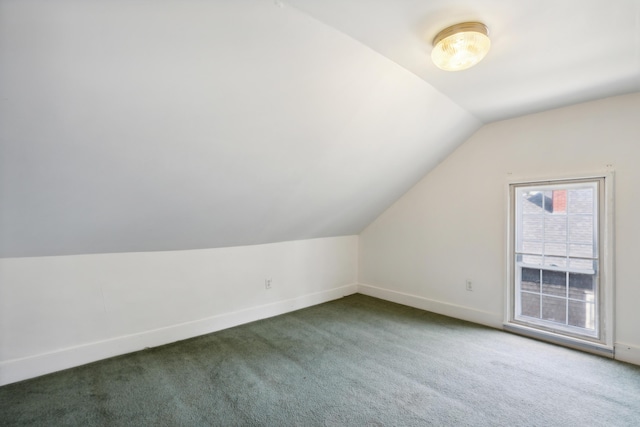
{"type": "Point", "coordinates": [582, 286]}
{"type": "Point", "coordinates": [558, 249]}
{"type": "Point", "coordinates": [530, 305]}
{"type": "Point", "coordinates": [532, 247]}
{"type": "Point", "coordinates": [559, 201]}
{"type": "Point", "coordinates": [547, 202]}
{"type": "Point", "coordinates": [532, 226]}
{"type": "Point", "coordinates": [554, 283]}
{"type": "Point", "coordinates": [581, 229]}
{"type": "Point", "coordinates": [530, 280]}
{"type": "Point", "coordinates": [555, 228]}
{"type": "Point", "coordinates": [581, 250]}
{"type": "Point", "coordinates": [581, 200]}
{"type": "Point", "coordinates": [582, 314]}
{"type": "Point", "coordinates": [554, 309]}
{"type": "Point", "coordinates": [532, 202]}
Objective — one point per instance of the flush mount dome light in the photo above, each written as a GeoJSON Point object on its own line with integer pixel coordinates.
{"type": "Point", "coordinates": [460, 46]}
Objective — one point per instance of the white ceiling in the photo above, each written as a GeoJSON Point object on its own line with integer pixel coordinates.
{"type": "Point", "coordinates": [544, 53]}
{"type": "Point", "coordinates": [137, 125]}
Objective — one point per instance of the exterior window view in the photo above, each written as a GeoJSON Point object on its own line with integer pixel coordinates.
{"type": "Point", "coordinates": [556, 257]}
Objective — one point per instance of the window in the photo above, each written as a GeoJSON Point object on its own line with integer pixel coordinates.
{"type": "Point", "coordinates": [557, 288]}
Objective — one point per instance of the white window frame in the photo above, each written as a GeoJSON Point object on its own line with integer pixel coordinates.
{"type": "Point", "coordinates": [603, 343]}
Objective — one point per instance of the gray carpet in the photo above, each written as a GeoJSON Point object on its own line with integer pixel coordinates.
{"type": "Point", "coordinates": [357, 361]}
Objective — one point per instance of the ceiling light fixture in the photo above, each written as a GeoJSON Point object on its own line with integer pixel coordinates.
{"type": "Point", "coordinates": [460, 46]}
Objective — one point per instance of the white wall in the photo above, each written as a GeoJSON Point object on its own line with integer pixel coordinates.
{"type": "Point", "coordinates": [63, 311]}
{"type": "Point", "coordinates": [58, 312]}
{"type": "Point", "coordinates": [452, 225]}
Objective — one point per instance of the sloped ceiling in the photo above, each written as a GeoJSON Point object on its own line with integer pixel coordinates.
{"type": "Point", "coordinates": [144, 125]}
{"type": "Point", "coordinates": [544, 53]}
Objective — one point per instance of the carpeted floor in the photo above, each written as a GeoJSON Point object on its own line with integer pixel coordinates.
{"type": "Point", "coordinates": [357, 361]}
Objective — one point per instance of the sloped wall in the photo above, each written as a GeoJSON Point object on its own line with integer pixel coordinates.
{"type": "Point", "coordinates": [129, 126]}
{"type": "Point", "coordinates": [59, 312]}
{"type": "Point", "coordinates": [451, 227]}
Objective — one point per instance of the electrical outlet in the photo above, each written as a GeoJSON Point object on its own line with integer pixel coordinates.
{"type": "Point", "coordinates": [267, 283]}
{"type": "Point", "coordinates": [469, 285]}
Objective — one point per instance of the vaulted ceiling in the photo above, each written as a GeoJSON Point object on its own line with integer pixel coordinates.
{"type": "Point", "coordinates": [141, 125]}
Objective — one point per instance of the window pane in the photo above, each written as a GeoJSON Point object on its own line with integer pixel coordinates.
{"type": "Point", "coordinates": [554, 309]}
{"type": "Point", "coordinates": [554, 283]}
{"type": "Point", "coordinates": [548, 201]}
{"type": "Point", "coordinates": [532, 247]}
{"type": "Point", "coordinates": [581, 200]}
{"type": "Point", "coordinates": [532, 202]}
{"type": "Point", "coordinates": [558, 249]}
{"type": "Point", "coordinates": [530, 305]}
{"type": "Point", "coordinates": [581, 229]}
{"type": "Point", "coordinates": [555, 228]}
{"type": "Point", "coordinates": [581, 286]}
{"type": "Point", "coordinates": [532, 226]}
{"type": "Point", "coordinates": [581, 250]}
{"type": "Point", "coordinates": [559, 201]}
{"type": "Point", "coordinates": [530, 280]}
{"type": "Point", "coordinates": [582, 314]}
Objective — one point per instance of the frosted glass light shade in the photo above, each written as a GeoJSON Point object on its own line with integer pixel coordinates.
{"type": "Point", "coordinates": [460, 46]}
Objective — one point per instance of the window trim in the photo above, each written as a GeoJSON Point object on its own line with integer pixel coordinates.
{"type": "Point", "coordinates": [604, 344]}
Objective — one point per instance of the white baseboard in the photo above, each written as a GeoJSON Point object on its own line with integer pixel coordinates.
{"type": "Point", "coordinates": [627, 353]}
{"type": "Point", "coordinates": [29, 367]}
{"type": "Point", "coordinates": [493, 320]}
{"type": "Point", "coordinates": [623, 352]}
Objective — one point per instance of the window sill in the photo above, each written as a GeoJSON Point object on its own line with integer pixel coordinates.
{"type": "Point", "coordinates": [575, 343]}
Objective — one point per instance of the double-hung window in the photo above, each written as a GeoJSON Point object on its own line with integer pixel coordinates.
{"type": "Point", "coordinates": [557, 257]}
